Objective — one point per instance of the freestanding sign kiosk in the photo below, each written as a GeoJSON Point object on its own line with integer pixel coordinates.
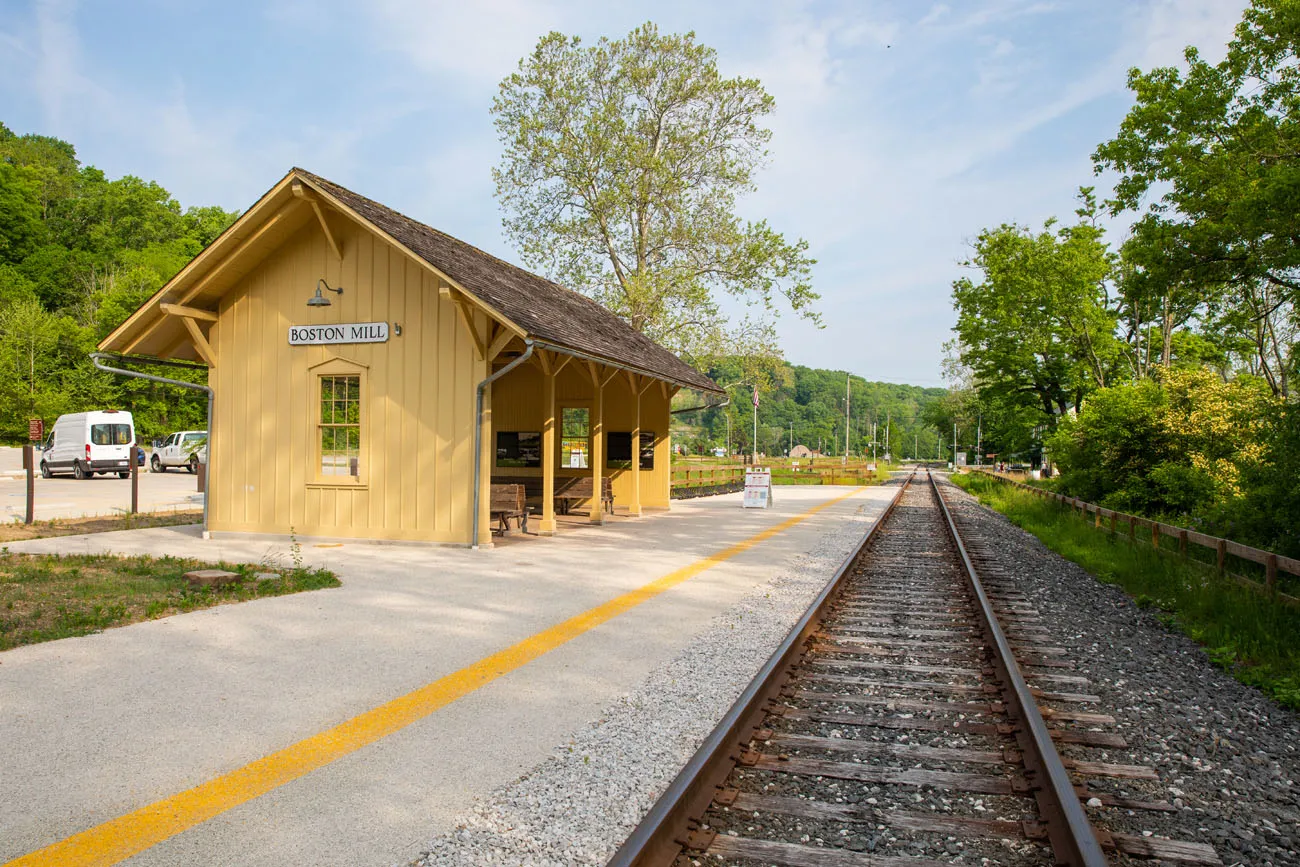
{"type": "Point", "coordinates": [758, 488]}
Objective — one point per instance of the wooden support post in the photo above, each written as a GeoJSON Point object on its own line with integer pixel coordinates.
{"type": "Point", "coordinates": [29, 464]}
{"type": "Point", "coordinates": [1132, 528]}
{"type": "Point", "coordinates": [1112, 523]}
{"type": "Point", "coordinates": [1096, 520]}
{"type": "Point", "coordinates": [1221, 548]}
{"type": "Point", "coordinates": [1270, 573]}
{"type": "Point", "coordinates": [634, 507]}
{"type": "Point", "coordinates": [597, 421]}
{"type": "Point", "coordinates": [1155, 534]}
{"type": "Point", "coordinates": [550, 457]}
{"type": "Point", "coordinates": [1182, 544]}
{"type": "Point", "coordinates": [136, 451]}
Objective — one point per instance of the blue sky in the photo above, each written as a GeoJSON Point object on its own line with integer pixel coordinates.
{"type": "Point", "coordinates": [902, 128]}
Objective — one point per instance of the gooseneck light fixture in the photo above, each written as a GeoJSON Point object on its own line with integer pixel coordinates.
{"type": "Point", "coordinates": [319, 300]}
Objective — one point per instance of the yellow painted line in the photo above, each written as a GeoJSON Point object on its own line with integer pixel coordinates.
{"type": "Point", "coordinates": [120, 838]}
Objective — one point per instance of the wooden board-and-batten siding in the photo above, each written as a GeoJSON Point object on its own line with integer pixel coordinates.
{"type": "Point", "coordinates": [417, 425]}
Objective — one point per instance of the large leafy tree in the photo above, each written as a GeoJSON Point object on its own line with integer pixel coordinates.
{"type": "Point", "coordinates": [1036, 330]}
{"type": "Point", "coordinates": [622, 166]}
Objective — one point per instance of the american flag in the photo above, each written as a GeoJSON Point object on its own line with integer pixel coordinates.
{"type": "Point", "coordinates": [756, 396]}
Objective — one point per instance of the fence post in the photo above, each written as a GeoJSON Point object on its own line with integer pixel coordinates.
{"type": "Point", "coordinates": [1112, 523]}
{"type": "Point", "coordinates": [1096, 519]}
{"type": "Point", "coordinates": [1182, 544]}
{"type": "Point", "coordinates": [29, 464]}
{"type": "Point", "coordinates": [1132, 528]}
{"type": "Point", "coordinates": [1222, 547]}
{"type": "Point", "coordinates": [1270, 573]}
{"type": "Point", "coordinates": [1155, 534]}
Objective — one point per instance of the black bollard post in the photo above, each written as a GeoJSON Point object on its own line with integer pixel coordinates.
{"type": "Point", "coordinates": [29, 464]}
{"type": "Point", "coordinates": [136, 451]}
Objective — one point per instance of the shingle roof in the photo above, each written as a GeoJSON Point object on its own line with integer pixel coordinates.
{"type": "Point", "coordinates": [545, 310]}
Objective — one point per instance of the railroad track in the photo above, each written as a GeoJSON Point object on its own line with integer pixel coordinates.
{"type": "Point", "coordinates": [912, 717]}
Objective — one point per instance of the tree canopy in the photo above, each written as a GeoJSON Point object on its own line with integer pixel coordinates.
{"type": "Point", "coordinates": [78, 254]}
{"type": "Point", "coordinates": [1165, 368]}
{"type": "Point", "coordinates": [622, 166]}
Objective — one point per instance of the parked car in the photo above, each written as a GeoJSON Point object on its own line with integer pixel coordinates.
{"type": "Point", "coordinates": [186, 448]}
{"type": "Point", "coordinates": [89, 443]}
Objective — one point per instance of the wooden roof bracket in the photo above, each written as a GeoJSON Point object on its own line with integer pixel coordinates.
{"type": "Point", "coordinates": [301, 191]}
{"type": "Point", "coordinates": [201, 344]}
{"type": "Point", "coordinates": [503, 336]}
{"type": "Point", "coordinates": [466, 310]}
{"type": "Point", "coordinates": [189, 316]}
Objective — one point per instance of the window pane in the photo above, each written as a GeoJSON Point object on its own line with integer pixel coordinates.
{"type": "Point", "coordinates": [340, 425]}
{"type": "Point", "coordinates": [575, 421]}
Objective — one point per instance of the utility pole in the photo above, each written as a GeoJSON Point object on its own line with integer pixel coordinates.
{"type": "Point", "coordinates": [916, 444]}
{"type": "Point", "coordinates": [954, 445]}
{"type": "Point", "coordinates": [848, 394]}
{"type": "Point", "coordinates": [887, 413]}
{"type": "Point", "coordinates": [979, 440]}
{"type": "Point", "coordinates": [792, 436]}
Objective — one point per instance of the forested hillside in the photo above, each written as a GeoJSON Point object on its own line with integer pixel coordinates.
{"type": "Point", "coordinates": [806, 405]}
{"type": "Point", "coordinates": [78, 253]}
{"type": "Point", "coordinates": [1158, 370]}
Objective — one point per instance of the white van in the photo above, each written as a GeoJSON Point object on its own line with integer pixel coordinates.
{"type": "Point", "coordinates": [86, 443]}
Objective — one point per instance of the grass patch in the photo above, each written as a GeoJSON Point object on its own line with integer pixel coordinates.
{"type": "Point", "coordinates": [44, 597]}
{"type": "Point", "coordinates": [1247, 634]}
{"type": "Point", "coordinates": [16, 531]}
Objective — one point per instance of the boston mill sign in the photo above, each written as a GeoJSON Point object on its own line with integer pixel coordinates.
{"type": "Point", "coordinates": [344, 332]}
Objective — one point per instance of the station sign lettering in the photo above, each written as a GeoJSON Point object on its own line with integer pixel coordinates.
{"type": "Point", "coordinates": [343, 332]}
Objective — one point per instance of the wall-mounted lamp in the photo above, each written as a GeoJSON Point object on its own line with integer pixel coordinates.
{"type": "Point", "coordinates": [319, 300]}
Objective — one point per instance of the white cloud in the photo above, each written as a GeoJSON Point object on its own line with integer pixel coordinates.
{"type": "Point", "coordinates": [479, 42]}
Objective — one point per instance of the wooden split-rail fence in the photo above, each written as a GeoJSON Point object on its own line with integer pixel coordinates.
{"type": "Point", "coordinates": [1117, 522]}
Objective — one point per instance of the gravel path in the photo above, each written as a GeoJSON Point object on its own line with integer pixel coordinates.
{"type": "Point", "coordinates": [580, 804]}
{"type": "Point", "coordinates": [1227, 756]}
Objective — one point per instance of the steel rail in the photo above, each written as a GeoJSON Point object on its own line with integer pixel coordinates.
{"type": "Point", "coordinates": [660, 836]}
{"type": "Point", "coordinates": [1074, 841]}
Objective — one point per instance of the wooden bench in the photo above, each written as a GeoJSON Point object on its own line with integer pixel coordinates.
{"type": "Point", "coordinates": [506, 502]}
{"type": "Point", "coordinates": [568, 489]}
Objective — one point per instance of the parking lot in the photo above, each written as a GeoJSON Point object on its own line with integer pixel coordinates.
{"type": "Point", "coordinates": [65, 497]}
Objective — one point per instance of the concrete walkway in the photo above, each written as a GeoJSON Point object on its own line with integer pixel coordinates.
{"type": "Point", "coordinates": [94, 728]}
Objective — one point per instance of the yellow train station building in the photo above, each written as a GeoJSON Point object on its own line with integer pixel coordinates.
{"type": "Point", "coordinates": [371, 377]}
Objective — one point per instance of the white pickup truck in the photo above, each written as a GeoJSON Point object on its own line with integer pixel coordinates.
{"type": "Point", "coordinates": [187, 448]}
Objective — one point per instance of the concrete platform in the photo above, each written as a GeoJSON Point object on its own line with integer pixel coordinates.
{"type": "Point", "coordinates": [94, 728]}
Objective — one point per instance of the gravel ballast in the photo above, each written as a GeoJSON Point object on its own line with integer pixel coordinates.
{"type": "Point", "coordinates": [1228, 757]}
{"type": "Point", "coordinates": [579, 805]}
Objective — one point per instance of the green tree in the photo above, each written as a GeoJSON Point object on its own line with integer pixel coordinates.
{"type": "Point", "coordinates": [1036, 330]}
{"type": "Point", "coordinates": [621, 169]}
{"type": "Point", "coordinates": [1211, 155]}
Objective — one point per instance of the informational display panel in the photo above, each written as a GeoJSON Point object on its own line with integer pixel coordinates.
{"type": "Point", "coordinates": [758, 488]}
